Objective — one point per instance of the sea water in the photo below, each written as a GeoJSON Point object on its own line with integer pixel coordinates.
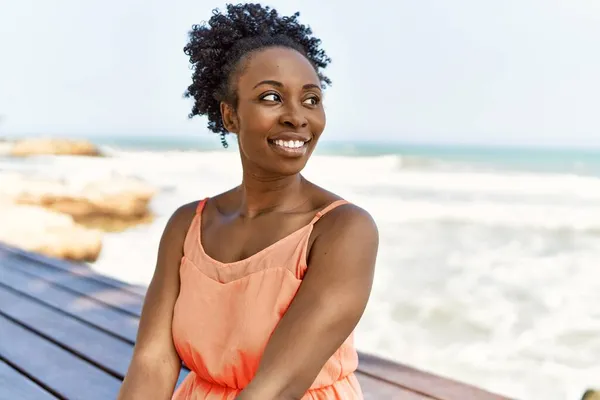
{"type": "Point", "coordinates": [489, 263]}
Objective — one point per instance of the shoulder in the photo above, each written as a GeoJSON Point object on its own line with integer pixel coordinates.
{"type": "Point", "coordinates": [170, 248]}
{"type": "Point", "coordinates": [345, 216]}
{"type": "Point", "coordinates": [348, 218]}
{"type": "Point", "coordinates": [180, 221]}
{"type": "Point", "coordinates": [346, 244]}
{"type": "Point", "coordinates": [346, 226]}
{"type": "Point", "coordinates": [184, 214]}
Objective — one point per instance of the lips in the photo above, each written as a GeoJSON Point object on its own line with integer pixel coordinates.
{"type": "Point", "coordinates": [290, 137]}
{"type": "Point", "coordinates": [289, 144]}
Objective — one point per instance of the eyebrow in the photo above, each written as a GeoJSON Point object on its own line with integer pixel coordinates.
{"type": "Point", "coordinates": [280, 85]}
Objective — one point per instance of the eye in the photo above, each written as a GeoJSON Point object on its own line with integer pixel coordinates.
{"type": "Point", "coordinates": [312, 101]}
{"type": "Point", "coordinates": [271, 97]}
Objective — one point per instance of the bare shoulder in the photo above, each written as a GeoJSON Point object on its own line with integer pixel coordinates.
{"type": "Point", "coordinates": [345, 216]}
{"type": "Point", "coordinates": [179, 223]}
{"type": "Point", "coordinates": [348, 220]}
{"type": "Point", "coordinates": [344, 225]}
{"type": "Point", "coordinates": [347, 234]}
{"type": "Point", "coordinates": [170, 247]}
{"type": "Point", "coordinates": [183, 214]}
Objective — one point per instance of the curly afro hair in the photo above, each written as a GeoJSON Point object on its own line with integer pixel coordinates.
{"type": "Point", "coordinates": [216, 50]}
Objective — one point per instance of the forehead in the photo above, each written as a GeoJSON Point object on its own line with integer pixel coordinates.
{"type": "Point", "coordinates": [278, 63]}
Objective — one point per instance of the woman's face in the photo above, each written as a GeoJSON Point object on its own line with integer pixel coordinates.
{"type": "Point", "coordinates": [279, 115]}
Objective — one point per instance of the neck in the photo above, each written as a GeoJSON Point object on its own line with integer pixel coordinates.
{"type": "Point", "coordinates": [260, 195]}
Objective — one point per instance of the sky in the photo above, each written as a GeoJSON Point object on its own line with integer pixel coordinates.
{"type": "Point", "coordinates": [511, 72]}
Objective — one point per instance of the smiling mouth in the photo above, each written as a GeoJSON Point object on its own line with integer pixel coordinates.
{"type": "Point", "coordinates": [289, 144]}
{"type": "Point", "coordinates": [289, 148]}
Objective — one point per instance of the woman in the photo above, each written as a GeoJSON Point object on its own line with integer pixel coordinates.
{"type": "Point", "coordinates": [258, 289]}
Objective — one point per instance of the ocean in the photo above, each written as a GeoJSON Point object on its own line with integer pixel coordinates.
{"type": "Point", "coordinates": [488, 270]}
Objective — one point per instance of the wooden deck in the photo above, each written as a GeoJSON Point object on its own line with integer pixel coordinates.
{"type": "Point", "coordinates": [68, 333]}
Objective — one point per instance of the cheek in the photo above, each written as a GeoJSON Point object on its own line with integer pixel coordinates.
{"type": "Point", "coordinates": [257, 121]}
{"type": "Point", "coordinates": [318, 122]}
{"type": "Point", "coordinates": [255, 125]}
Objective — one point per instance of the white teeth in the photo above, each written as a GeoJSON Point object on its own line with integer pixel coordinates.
{"type": "Point", "coordinates": [292, 144]}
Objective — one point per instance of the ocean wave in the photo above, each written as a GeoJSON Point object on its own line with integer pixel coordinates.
{"type": "Point", "coordinates": [482, 275]}
{"type": "Point", "coordinates": [499, 197]}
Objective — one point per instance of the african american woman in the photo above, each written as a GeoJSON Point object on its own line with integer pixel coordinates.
{"type": "Point", "coordinates": [257, 290]}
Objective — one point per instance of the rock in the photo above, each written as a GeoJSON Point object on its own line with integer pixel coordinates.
{"type": "Point", "coordinates": [111, 204]}
{"type": "Point", "coordinates": [47, 232]}
{"type": "Point", "coordinates": [591, 395]}
{"type": "Point", "coordinates": [44, 146]}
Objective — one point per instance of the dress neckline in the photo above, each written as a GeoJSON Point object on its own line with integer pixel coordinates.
{"type": "Point", "coordinates": [307, 227]}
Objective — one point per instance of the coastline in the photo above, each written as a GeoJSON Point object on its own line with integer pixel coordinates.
{"type": "Point", "coordinates": [461, 248]}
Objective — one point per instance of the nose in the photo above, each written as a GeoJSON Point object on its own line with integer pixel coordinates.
{"type": "Point", "coordinates": [293, 118]}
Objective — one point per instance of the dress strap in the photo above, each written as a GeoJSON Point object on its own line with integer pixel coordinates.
{"type": "Point", "coordinates": [330, 207]}
{"type": "Point", "coordinates": [201, 205]}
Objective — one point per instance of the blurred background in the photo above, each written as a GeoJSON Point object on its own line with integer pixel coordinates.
{"type": "Point", "coordinates": [469, 129]}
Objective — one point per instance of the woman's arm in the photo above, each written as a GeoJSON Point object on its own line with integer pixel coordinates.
{"type": "Point", "coordinates": [326, 309]}
{"type": "Point", "coordinates": [155, 365]}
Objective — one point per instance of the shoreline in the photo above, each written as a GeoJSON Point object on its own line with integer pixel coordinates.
{"type": "Point", "coordinates": [459, 307]}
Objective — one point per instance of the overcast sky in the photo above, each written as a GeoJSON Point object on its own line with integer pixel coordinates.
{"type": "Point", "coordinates": [460, 71]}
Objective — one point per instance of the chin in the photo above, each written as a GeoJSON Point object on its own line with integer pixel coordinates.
{"type": "Point", "coordinates": [287, 161]}
{"type": "Point", "coordinates": [279, 162]}
{"type": "Point", "coordinates": [287, 168]}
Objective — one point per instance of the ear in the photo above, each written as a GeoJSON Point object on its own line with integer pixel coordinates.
{"type": "Point", "coordinates": [229, 117]}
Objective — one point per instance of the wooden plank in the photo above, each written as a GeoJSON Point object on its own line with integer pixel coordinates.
{"type": "Point", "coordinates": [67, 375]}
{"type": "Point", "coordinates": [68, 266]}
{"type": "Point", "coordinates": [95, 346]}
{"type": "Point", "coordinates": [422, 382]}
{"type": "Point", "coordinates": [114, 297]}
{"type": "Point", "coordinates": [14, 385]}
{"type": "Point", "coordinates": [375, 389]}
{"type": "Point", "coordinates": [374, 371]}
{"type": "Point", "coordinates": [77, 305]}
{"type": "Point", "coordinates": [64, 314]}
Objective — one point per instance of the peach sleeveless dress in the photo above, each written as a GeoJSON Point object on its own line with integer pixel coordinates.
{"type": "Point", "coordinates": [225, 314]}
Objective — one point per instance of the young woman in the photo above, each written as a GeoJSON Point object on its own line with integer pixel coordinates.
{"type": "Point", "coordinates": [258, 289]}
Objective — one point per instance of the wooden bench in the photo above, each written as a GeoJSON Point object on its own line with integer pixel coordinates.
{"type": "Point", "coordinates": [68, 333]}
